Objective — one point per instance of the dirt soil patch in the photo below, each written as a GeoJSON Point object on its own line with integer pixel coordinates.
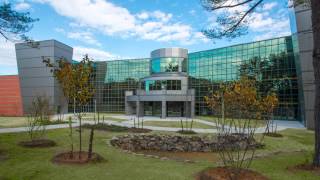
{"type": "Point", "coordinates": [76, 158]}
{"type": "Point", "coordinates": [186, 132]}
{"type": "Point", "coordinates": [139, 130]}
{"type": "Point", "coordinates": [273, 134]}
{"type": "Point", "coordinates": [38, 143]}
{"type": "Point", "coordinates": [115, 128]}
{"type": "Point", "coordinates": [305, 167]}
{"type": "Point", "coordinates": [228, 173]}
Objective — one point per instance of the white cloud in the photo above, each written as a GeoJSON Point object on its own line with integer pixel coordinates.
{"type": "Point", "coordinates": [96, 54]}
{"type": "Point", "coordinates": [266, 20]}
{"type": "Point", "coordinates": [192, 12]}
{"type": "Point", "coordinates": [143, 15]}
{"type": "Point", "coordinates": [269, 26]}
{"type": "Point", "coordinates": [7, 53]}
{"type": "Point", "coordinates": [21, 6]}
{"type": "Point", "coordinates": [270, 35]}
{"type": "Point", "coordinates": [86, 37]}
{"type": "Point", "coordinates": [269, 6]}
{"type": "Point", "coordinates": [114, 20]}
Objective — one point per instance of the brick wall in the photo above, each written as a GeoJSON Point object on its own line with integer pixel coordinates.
{"type": "Point", "coordinates": [10, 96]}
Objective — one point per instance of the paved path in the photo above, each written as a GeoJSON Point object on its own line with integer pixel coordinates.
{"type": "Point", "coordinates": [281, 125]}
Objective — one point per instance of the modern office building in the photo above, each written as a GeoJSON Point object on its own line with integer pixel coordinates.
{"type": "Point", "coordinates": [174, 82]}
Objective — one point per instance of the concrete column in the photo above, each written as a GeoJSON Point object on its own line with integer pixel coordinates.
{"type": "Point", "coordinates": [164, 109]}
{"type": "Point", "coordinates": [128, 106]}
{"type": "Point", "coordinates": [140, 108]}
{"type": "Point", "coordinates": [187, 108]}
{"type": "Point", "coordinates": [192, 106]}
{"type": "Point", "coordinates": [305, 66]}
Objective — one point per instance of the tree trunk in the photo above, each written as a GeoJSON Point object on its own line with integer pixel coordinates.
{"type": "Point", "coordinates": [315, 7]}
{"type": "Point", "coordinates": [90, 143]}
{"type": "Point", "coordinates": [80, 137]}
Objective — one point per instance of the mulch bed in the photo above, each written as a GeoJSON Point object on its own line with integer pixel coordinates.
{"type": "Point", "coordinates": [115, 128]}
{"type": "Point", "coordinates": [273, 134]}
{"type": "Point", "coordinates": [38, 143]}
{"type": "Point", "coordinates": [305, 167]}
{"type": "Point", "coordinates": [228, 173]}
{"type": "Point", "coordinates": [73, 158]}
{"type": "Point", "coordinates": [186, 132]}
{"type": "Point", "coordinates": [139, 130]}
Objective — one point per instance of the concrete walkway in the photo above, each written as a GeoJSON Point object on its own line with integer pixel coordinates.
{"type": "Point", "coordinates": [281, 125]}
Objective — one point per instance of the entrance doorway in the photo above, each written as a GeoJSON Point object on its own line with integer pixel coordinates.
{"type": "Point", "coordinates": [175, 109]}
{"type": "Point", "coordinates": [152, 109]}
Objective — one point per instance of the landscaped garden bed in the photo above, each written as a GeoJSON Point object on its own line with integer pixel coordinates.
{"type": "Point", "coordinates": [36, 163]}
{"type": "Point", "coordinates": [115, 128]}
{"type": "Point", "coordinates": [178, 143]}
{"type": "Point", "coordinates": [225, 173]}
{"type": "Point", "coordinates": [76, 158]}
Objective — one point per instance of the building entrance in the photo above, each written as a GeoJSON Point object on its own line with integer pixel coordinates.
{"type": "Point", "coordinates": [152, 109]}
{"type": "Point", "coordinates": [175, 109]}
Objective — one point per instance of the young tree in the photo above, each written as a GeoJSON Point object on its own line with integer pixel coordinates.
{"type": "Point", "coordinates": [234, 25]}
{"type": "Point", "coordinates": [76, 84]}
{"type": "Point", "coordinates": [38, 117]}
{"type": "Point", "coordinates": [13, 24]}
{"type": "Point", "coordinates": [240, 108]}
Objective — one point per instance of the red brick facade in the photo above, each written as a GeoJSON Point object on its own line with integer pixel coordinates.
{"type": "Point", "coordinates": [10, 96]}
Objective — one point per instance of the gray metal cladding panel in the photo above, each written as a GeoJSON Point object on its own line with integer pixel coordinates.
{"type": "Point", "coordinates": [34, 91]}
{"type": "Point", "coordinates": [34, 52]}
{"type": "Point", "coordinates": [303, 20]}
{"type": "Point", "coordinates": [35, 72]}
{"type": "Point", "coordinates": [63, 46]}
{"type": "Point", "coordinates": [169, 52]}
{"type": "Point", "coordinates": [36, 81]}
{"type": "Point", "coordinates": [31, 62]}
{"type": "Point", "coordinates": [306, 61]}
{"type": "Point", "coordinates": [27, 101]}
{"type": "Point", "coordinates": [305, 41]}
{"type": "Point", "coordinates": [40, 45]}
{"type": "Point", "coordinates": [59, 53]}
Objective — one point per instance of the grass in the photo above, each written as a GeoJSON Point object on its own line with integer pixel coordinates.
{"type": "Point", "coordinates": [107, 116]}
{"type": "Point", "coordinates": [25, 163]}
{"type": "Point", "coordinates": [7, 122]}
{"type": "Point", "coordinates": [106, 127]}
{"type": "Point", "coordinates": [238, 122]}
{"type": "Point", "coordinates": [176, 124]}
{"type": "Point", "coordinates": [10, 122]}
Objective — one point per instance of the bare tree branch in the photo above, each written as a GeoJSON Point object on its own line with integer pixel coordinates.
{"type": "Point", "coordinates": [213, 8]}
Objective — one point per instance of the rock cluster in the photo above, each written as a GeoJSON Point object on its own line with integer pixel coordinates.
{"type": "Point", "coordinates": [133, 142]}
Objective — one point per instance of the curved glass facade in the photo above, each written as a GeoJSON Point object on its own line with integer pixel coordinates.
{"type": "Point", "coordinates": [151, 85]}
{"type": "Point", "coordinates": [272, 61]}
{"type": "Point", "coordinates": [168, 64]}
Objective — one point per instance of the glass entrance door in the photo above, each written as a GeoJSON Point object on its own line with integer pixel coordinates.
{"type": "Point", "coordinates": [152, 109]}
{"type": "Point", "coordinates": [175, 109]}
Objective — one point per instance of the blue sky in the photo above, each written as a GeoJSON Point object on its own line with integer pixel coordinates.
{"type": "Point", "coordinates": [115, 29]}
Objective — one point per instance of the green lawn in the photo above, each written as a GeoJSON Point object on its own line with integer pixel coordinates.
{"type": "Point", "coordinates": [107, 116]}
{"type": "Point", "coordinates": [24, 163]}
{"type": "Point", "coordinates": [236, 122]}
{"type": "Point", "coordinates": [10, 122]}
{"type": "Point", "coordinates": [6, 122]}
{"type": "Point", "coordinates": [177, 124]}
